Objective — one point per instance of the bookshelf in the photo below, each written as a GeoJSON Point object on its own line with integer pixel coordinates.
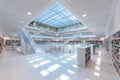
{"type": "Point", "coordinates": [97, 43]}
{"type": "Point", "coordinates": [83, 55]}
{"type": "Point", "coordinates": [1, 43]}
{"type": "Point", "coordinates": [10, 42]}
{"type": "Point", "coordinates": [116, 51]}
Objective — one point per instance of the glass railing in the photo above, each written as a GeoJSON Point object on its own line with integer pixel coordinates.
{"type": "Point", "coordinates": [82, 34]}
{"type": "Point", "coordinates": [77, 26]}
{"type": "Point", "coordinates": [29, 46]}
{"type": "Point", "coordinates": [73, 27]}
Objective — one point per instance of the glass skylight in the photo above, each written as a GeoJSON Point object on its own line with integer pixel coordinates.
{"type": "Point", "coordinates": [57, 16]}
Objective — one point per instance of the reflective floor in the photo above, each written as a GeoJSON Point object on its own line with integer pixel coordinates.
{"type": "Point", "coordinates": [41, 66]}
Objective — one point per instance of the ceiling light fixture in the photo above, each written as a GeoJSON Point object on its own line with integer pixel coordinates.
{"type": "Point", "coordinates": [22, 22]}
{"type": "Point", "coordinates": [29, 13]}
{"type": "Point", "coordinates": [102, 38]}
{"type": "Point", "coordinates": [57, 34]}
{"type": "Point", "coordinates": [84, 15]}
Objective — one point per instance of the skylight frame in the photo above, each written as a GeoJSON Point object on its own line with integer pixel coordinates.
{"type": "Point", "coordinates": [57, 16]}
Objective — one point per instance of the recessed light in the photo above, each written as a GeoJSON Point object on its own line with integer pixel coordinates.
{"type": "Point", "coordinates": [22, 22]}
{"type": "Point", "coordinates": [29, 13]}
{"type": "Point", "coordinates": [84, 15]}
{"type": "Point", "coordinates": [57, 34]}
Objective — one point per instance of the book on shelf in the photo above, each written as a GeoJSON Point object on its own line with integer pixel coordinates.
{"type": "Point", "coordinates": [116, 51]}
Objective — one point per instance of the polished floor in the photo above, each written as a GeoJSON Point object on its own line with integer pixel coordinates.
{"type": "Point", "coordinates": [41, 66]}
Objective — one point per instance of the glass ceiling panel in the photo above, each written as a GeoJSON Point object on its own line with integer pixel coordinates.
{"type": "Point", "coordinates": [57, 16]}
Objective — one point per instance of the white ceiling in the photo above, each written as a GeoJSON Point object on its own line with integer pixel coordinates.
{"type": "Point", "coordinates": [13, 12]}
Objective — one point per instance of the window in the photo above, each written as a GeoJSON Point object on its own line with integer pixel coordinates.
{"type": "Point", "coordinates": [57, 16]}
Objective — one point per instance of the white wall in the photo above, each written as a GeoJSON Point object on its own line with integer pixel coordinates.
{"type": "Point", "coordinates": [1, 27]}
{"type": "Point", "coordinates": [114, 24]}
{"type": "Point", "coordinates": [1, 35]}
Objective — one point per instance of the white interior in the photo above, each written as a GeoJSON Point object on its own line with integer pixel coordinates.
{"type": "Point", "coordinates": [102, 16]}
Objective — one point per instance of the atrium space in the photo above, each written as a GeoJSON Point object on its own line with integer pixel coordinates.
{"type": "Point", "coordinates": [59, 40]}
